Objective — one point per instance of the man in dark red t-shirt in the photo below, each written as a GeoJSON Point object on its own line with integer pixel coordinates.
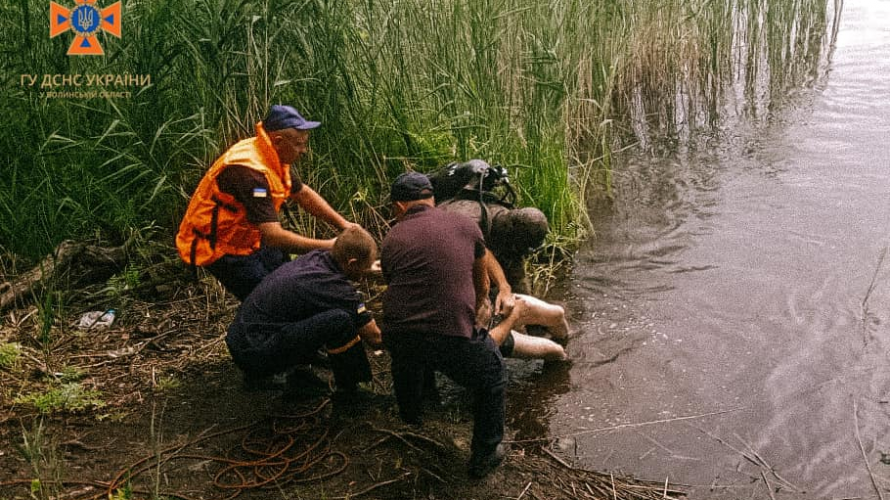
{"type": "Point", "coordinates": [434, 264]}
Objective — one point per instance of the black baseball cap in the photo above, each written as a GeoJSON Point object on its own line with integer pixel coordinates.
{"type": "Point", "coordinates": [411, 186]}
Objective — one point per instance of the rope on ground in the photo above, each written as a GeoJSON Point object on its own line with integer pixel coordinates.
{"type": "Point", "coordinates": [272, 452]}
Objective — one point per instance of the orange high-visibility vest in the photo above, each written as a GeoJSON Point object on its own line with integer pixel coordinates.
{"type": "Point", "coordinates": [215, 223]}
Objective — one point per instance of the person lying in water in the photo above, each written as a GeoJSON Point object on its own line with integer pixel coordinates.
{"type": "Point", "coordinates": [510, 331]}
{"type": "Point", "coordinates": [512, 234]}
{"type": "Point", "coordinates": [528, 310]}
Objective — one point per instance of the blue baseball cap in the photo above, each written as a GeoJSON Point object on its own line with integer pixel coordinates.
{"type": "Point", "coordinates": [281, 117]}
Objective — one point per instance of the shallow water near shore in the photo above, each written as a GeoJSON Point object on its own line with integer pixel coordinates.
{"type": "Point", "coordinates": [733, 306]}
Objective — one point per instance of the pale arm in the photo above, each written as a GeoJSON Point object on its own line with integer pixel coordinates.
{"type": "Point", "coordinates": [313, 203]}
{"type": "Point", "coordinates": [276, 236]}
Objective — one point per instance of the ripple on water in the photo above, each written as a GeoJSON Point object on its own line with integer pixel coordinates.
{"type": "Point", "coordinates": [750, 267]}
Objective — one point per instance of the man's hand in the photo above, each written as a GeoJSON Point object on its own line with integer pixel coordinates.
{"type": "Point", "coordinates": [370, 333]}
{"type": "Point", "coordinates": [376, 268]}
{"type": "Point", "coordinates": [504, 303]}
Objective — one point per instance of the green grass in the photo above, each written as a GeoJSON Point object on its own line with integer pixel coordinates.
{"type": "Point", "coordinates": [548, 89]}
{"type": "Point", "coordinates": [63, 397]}
{"type": "Point", "coordinates": [41, 451]}
{"type": "Point", "coordinates": [168, 383]}
{"type": "Point", "coordinates": [10, 354]}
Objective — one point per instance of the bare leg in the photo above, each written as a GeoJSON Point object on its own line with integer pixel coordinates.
{"type": "Point", "coordinates": [526, 346]}
{"type": "Point", "coordinates": [538, 312]}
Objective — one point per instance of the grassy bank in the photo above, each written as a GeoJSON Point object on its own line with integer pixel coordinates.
{"type": "Point", "coordinates": [548, 89]}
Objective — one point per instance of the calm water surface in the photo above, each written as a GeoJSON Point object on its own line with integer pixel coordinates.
{"type": "Point", "coordinates": [725, 341]}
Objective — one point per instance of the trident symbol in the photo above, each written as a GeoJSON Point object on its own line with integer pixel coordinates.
{"type": "Point", "coordinates": [85, 19]}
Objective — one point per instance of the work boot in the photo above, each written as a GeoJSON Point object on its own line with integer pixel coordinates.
{"type": "Point", "coordinates": [353, 402]}
{"type": "Point", "coordinates": [481, 466]}
{"type": "Point", "coordinates": [303, 383]}
{"type": "Point", "coordinates": [353, 395]}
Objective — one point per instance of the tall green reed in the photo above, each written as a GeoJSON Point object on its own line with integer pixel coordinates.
{"type": "Point", "coordinates": [548, 89]}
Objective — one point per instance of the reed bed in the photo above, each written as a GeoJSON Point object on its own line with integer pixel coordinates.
{"type": "Point", "coordinates": [548, 89]}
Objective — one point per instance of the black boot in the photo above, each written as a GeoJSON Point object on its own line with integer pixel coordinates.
{"type": "Point", "coordinates": [301, 381]}
{"type": "Point", "coordinates": [483, 464]}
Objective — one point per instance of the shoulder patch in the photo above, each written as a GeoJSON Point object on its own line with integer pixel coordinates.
{"type": "Point", "coordinates": [361, 309]}
{"type": "Point", "coordinates": [260, 193]}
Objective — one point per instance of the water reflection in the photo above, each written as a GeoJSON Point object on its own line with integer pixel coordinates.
{"type": "Point", "coordinates": [740, 272]}
{"type": "Point", "coordinates": [740, 65]}
{"type": "Point", "coordinates": [533, 388]}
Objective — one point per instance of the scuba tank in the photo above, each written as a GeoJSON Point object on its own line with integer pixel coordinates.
{"type": "Point", "coordinates": [474, 180]}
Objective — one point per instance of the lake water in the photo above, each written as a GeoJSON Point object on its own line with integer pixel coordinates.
{"type": "Point", "coordinates": [734, 309]}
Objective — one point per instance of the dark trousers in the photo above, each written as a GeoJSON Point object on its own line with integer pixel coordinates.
{"type": "Point", "coordinates": [262, 349]}
{"type": "Point", "coordinates": [240, 274]}
{"type": "Point", "coordinates": [472, 363]}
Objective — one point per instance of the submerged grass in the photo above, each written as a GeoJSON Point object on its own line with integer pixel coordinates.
{"type": "Point", "coordinates": [548, 89]}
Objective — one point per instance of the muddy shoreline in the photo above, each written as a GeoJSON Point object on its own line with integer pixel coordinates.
{"type": "Point", "coordinates": [170, 417]}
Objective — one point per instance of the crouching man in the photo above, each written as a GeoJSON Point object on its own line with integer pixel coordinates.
{"type": "Point", "coordinates": [305, 305]}
{"type": "Point", "coordinates": [434, 264]}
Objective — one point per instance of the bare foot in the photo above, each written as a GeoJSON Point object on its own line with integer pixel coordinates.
{"type": "Point", "coordinates": [560, 331]}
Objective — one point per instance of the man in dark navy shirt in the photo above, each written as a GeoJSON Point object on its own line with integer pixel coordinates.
{"type": "Point", "coordinates": [435, 264]}
{"type": "Point", "coordinates": [307, 304]}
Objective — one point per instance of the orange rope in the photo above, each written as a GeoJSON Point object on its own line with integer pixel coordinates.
{"type": "Point", "coordinates": [275, 451]}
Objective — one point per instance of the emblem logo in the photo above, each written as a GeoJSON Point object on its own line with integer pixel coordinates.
{"type": "Point", "coordinates": [86, 20]}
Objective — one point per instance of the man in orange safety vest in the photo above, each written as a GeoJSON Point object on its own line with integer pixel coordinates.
{"type": "Point", "coordinates": [231, 226]}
